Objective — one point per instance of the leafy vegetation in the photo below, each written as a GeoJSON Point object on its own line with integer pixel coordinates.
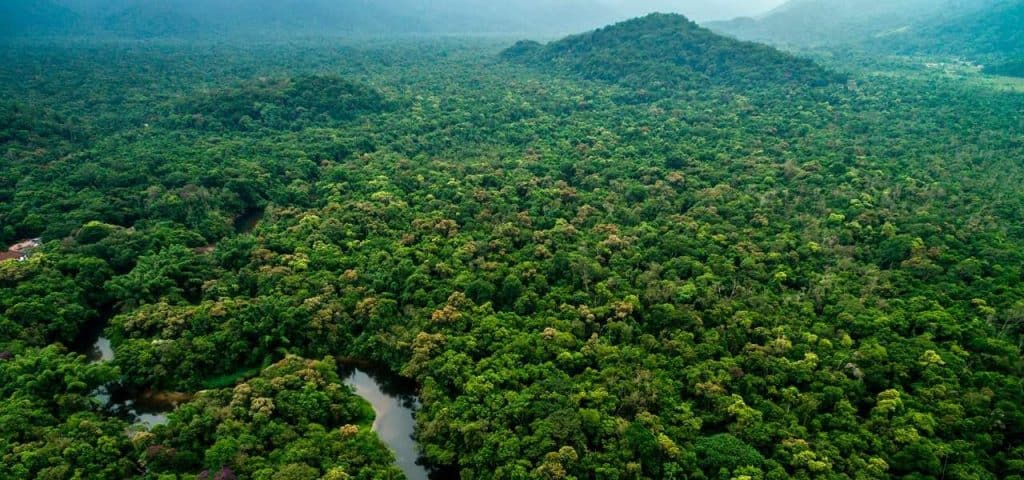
{"type": "Point", "coordinates": [294, 421]}
{"type": "Point", "coordinates": [664, 52]}
{"type": "Point", "coordinates": [284, 103]}
{"type": "Point", "coordinates": [991, 32]}
{"type": "Point", "coordinates": [1012, 69]}
{"type": "Point", "coordinates": [643, 252]}
{"type": "Point", "coordinates": [835, 23]}
{"type": "Point", "coordinates": [980, 31]}
{"type": "Point", "coordinates": [49, 426]}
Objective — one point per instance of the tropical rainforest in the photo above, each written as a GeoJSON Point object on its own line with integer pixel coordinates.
{"type": "Point", "coordinates": [984, 32]}
{"type": "Point", "coordinates": [648, 251]}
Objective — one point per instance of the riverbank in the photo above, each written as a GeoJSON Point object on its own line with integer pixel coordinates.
{"type": "Point", "coordinates": [145, 408]}
{"type": "Point", "coordinates": [394, 405]}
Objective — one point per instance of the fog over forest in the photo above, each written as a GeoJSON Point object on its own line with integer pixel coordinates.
{"type": "Point", "coordinates": [205, 18]}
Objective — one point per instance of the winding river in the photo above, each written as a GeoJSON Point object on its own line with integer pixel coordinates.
{"type": "Point", "coordinates": [393, 398]}
{"type": "Point", "coordinates": [148, 409]}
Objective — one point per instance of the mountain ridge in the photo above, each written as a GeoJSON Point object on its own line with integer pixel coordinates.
{"type": "Point", "coordinates": [212, 18]}
{"type": "Point", "coordinates": [824, 23]}
{"type": "Point", "coordinates": [993, 32]}
{"type": "Point", "coordinates": [36, 17]}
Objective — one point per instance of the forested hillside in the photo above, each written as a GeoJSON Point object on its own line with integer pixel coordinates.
{"type": "Point", "coordinates": [35, 17]}
{"type": "Point", "coordinates": [986, 32]}
{"type": "Point", "coordinates": [819, 23]}
{"type": "Point", "coordinates": [664, 53]}
{"type": "Point", "coordinates": [993, 31]}
{"type": "Point", "coordinates": [993, 37]}
{"type": "Point", "coordinates": [643, 252]}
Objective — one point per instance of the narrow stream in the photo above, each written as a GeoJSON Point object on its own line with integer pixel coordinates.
{"type": "Point", "coordinates": [136, 408]}
{"type": "Point", "coordinates": [147, 409]}
{"type": "Point", "coordinates": [393, 398]}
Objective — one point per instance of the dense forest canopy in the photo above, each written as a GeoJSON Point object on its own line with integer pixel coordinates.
{"type": "Point", "coordinates": [643, 252]}
{"type": "Point", "coordinates": [990, 35]}
{"type": "Point", "coordinates": [812, 23]}
{"type": "Point", "coordinates": [664, 52]}
{"type": "Point", "coordinates": [36, 17]}
{"type": "Point", "coordinates": [985, 32]}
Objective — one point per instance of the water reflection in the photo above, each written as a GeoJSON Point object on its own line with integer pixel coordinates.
{"type": "Point", "coordinates": [101, 351]}
{"type": "Point", "coordinates": [394, 401]}
{"type": "Point", "coordinates": [140, 410]}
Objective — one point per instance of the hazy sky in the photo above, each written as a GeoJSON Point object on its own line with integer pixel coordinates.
{"type": "Point", "coordinates": [154, 18]}
{"type": "Point", "coordinates": [700, 10]}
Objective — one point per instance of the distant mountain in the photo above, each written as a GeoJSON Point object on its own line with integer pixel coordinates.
{"type": "Point", "coordinates": [301, 17]}
{"type": "Point", "coordinates": [818, 23]}
{"type": "Point", "coordinates": [664, 52]}
{"type": "Point", "coordinates": [990, 32]}
{"type": "Point", "coordinates": [205, 18]}
{"type": "Point", "coordinates": [35, 17]}
{"type": "Point", "coordinates": [213, 18]}
{"type": "Point", "coordinates": [1009, 68]}
{"type": "Point", "coordinates": [144, 20]}
{"type": "Point", "coordinates": [996, 32]}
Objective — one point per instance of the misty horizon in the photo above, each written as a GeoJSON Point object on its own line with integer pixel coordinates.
{"type": "Point", "coordinates": [205, 18]}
